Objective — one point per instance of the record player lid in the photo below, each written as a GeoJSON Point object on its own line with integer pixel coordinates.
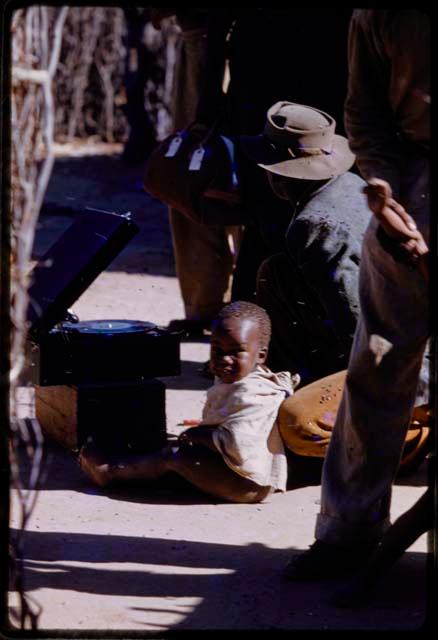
{"type": "Point", "coordinates": [68, 268]}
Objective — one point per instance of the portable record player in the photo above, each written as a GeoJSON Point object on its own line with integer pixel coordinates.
{"type": "Point", "coordinates": [95, 378]}
{"type": "Point", "coordinates": [98, 351]}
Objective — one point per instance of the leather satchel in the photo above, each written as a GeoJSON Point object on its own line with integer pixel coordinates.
{"type": "Point", "coordinates": [194, 171]}
{"type": "Point", "coordinates": [306, 420]}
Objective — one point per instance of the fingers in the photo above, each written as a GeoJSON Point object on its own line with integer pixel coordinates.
{"type": "Point", "coordinates": [322, 428]}
{"type": "Point", "coordinates": [422, 247]}
{"type": "Point", "coordinates": [321, 436]}
{"type": "Point", "coordinates": [379, 187]}
{"type": "Point", "coordinates": [378, 193]}
{"type": "Point", "coordinates": [404, 215]}
{"type": "Point", "coordinates": [327, 420]}
{"type": "Point", "coordinates": [410, 246]}
{"type": "Point", "coordinates": [384, 206]}
{"type": "Point", "coordinates": [398, 224]}
{"type": "Point", "coordinates": [416, 247]}
{"type": "Point", "coordinates": [376, 201]}
{"type": "Point", "coordinates": [405, 249]}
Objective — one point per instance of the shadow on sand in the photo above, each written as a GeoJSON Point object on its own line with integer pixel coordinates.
{"type": "Point", "coordinates": [236, 586]}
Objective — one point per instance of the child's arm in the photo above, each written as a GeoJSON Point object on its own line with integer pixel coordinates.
{"type": "Point", "coordinates": [199, 435]}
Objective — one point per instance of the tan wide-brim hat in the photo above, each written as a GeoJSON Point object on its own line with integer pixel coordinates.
{"type": "Point", "coordinates": [299, 142]}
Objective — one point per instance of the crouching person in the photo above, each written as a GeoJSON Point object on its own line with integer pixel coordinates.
{"type": "Point", "coordinates": [236, 453]}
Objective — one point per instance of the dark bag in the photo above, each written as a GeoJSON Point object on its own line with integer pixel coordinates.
{"type": "Point", "coordinates": [194, 172]}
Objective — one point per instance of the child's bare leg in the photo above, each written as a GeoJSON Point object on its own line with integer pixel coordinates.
{"type": "Point", "coordinates": [103, 472]}
{"type": "Point", "coordinates": [207, 471]}
{"type": "Point", "coordinates": [203, 468]}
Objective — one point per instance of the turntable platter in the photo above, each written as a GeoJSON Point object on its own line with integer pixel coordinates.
{"type": "Point", "coordinates": [108, 326]}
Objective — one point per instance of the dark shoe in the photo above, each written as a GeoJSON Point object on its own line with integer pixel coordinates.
{"type": "Point", "coordinates": [323, 560]}
{"type": "Point", "coordinates": [191, 328]}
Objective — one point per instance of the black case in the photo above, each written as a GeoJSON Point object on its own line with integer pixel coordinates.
{"type": "Point", "coordinates": [90, 353]}
{"type": "Point", "coordinates": [70, 265]}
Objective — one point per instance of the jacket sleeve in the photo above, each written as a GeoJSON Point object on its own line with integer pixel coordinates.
{"type": "Point", "coordinates": [325, 255]}
{"type": "Point", "coordinates": [369, 121]}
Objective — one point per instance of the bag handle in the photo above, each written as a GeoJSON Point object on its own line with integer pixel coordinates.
{"type": "Point", "coordinates": [227, 142]}
{"type": "Point", "coordinates": [230, 148]}
{"type": "Point", "coordinates": [207, 136]}
{"type": "Point", "coordinates": [229, 145]}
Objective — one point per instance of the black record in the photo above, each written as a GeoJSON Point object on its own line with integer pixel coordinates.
{"type": "Point", "coordinates": [107, 327]}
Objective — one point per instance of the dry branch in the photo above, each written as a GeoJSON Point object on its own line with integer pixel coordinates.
{"type": "Point", "coordinates": [36, 43]}
{"type": "Point", "coordinates": [89, 84]}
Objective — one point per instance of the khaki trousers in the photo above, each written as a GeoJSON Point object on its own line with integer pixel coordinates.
{"type": "Point", "coordinates": [204, 256]}
{"type": "Point", "coordinates": [380, 392]}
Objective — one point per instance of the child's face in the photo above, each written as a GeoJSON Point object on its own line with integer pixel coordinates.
{"type": "Point", "coordinates": [235, 349]}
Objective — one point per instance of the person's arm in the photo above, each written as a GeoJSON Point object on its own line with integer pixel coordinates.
{"type": "Point", "coordinates": [324, 246]}
{"type": "Point", "coordinates": [371, 126]}
{"type": "Point", "coordinates": [369, 120]}
{"type": "Point", "coordinates": [211, 96]}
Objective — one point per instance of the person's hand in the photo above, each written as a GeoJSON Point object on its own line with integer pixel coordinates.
{"type": "Point", "coordinates": [327, 421]}
{"type": "Point", "coordinates": [398, 225]}
{"type": "Point", "coordinates": [191, 422]}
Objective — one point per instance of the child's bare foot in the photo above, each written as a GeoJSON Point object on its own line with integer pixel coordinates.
{"type": "Point", "coordinates": [92, 463]}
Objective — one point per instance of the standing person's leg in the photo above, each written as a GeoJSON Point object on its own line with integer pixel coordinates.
{"type": "Point", "coordinates": [203, 258]}
{"type": "Point", "coordinates": [139, 62]}
{"type": "Point", "coordinates": [379, 396]}
{"type": "Point", "coordinates": [204, 264]}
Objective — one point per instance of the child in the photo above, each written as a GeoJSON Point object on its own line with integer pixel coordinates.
{"type": "Point", "coordinates": [236, 453]}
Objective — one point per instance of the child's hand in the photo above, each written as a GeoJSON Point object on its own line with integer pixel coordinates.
{"type": "Point", "coordinates": [189, 422]}
{"type": "Point", "coordinates": [398, 225]}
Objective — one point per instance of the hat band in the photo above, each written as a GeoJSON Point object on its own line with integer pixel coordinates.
{"type": "Point", "coordinates": [308, 151]}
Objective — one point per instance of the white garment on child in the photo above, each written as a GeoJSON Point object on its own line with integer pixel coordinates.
{"type": "Point", "coordinates": [247, 435]}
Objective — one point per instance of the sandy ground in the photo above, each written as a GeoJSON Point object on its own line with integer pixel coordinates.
{"type": "Point", "coordinates": [164, 558]}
